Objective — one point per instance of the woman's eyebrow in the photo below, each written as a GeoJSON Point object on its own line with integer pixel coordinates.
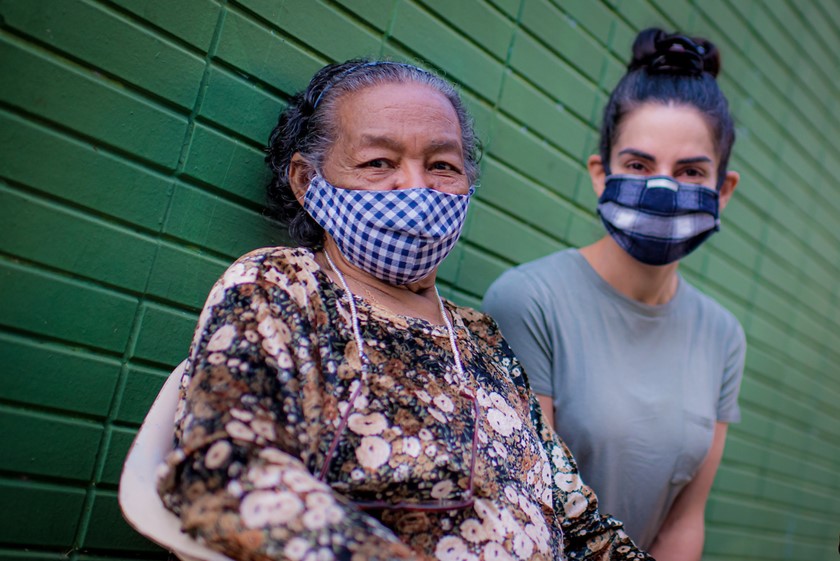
{"type": "Point", "coordinates": [379, 140]}
{"type": "Point", "coordinates": [695, 160]}
{"type": "Point", "coordinates": [638, 154]}
{"type": "Point", "coordinates": [437, 146]}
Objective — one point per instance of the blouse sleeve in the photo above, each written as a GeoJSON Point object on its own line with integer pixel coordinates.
{"type": "Point", "coordinates": [238, 476]}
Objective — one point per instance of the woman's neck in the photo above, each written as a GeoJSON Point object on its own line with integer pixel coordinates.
{"type": "Point", "coordinates": [648, 284]}
{"type": "Point", "coordinates": [417, 299]}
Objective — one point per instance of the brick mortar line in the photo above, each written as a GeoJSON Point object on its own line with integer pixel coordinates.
{"type": "Point", "coordinates": [140, 311]}
{"type": "Point", "coordinates": [768, 80]}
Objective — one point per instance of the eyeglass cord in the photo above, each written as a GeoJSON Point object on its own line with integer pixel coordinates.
{"type": "Point", "coordinates": [357, 336]}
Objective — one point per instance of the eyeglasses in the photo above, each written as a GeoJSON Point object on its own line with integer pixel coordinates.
{"type": "Point", "coordinates": [468, 499]}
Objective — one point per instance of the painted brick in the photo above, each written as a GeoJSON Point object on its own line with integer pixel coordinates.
{"type": "Point", "coordinates": [196, 30]}
{"type": "Point", "coordinates": [8, 555]}
{"type": "Point", "coordinates": [182, 276]}
{"type": "Point", "coordinates": [597, 20]}
{"type": "Point", "coordinates": [52, 235]}
{"type": "Point", "coordinates": [119, 441]}
{"type": "Point", "coordinates": [109, 531]}
{"type": "Point", "coordinates": [164, 335]}
{"type": "Point", "coordinates": [73, 170]}
{"type": "Point", "coordinates": [738, 282]}
{"type": "Point", "coordinates": [478, 270]}
{"type": "Point", "coordinates": [241, 37]}
{"type": "Point", "coordinates": [449, 269]}
{"type": "Point", "coordinates": [621, 40]}
{"type": "Point", "coordinates": [253, 116]}
{"type": "Point", "coordinates": [496, 232]}
{"type": "Point", "coordinates": [639, 14]}
{"type": "Point", "coordinates": [100, 109]}
{"type": "Point", "coordinates": [420, 32]}
{"type": "Point", "coordinates": [544, 116]}
{"type": "Point", "coordinates": [583, 230]}
{"type": "Point", "coordinates": [531, 59]}
{"type": "Point", "coordinates": [734, 481]}
{"type": "Point", "coordinates": [377, 13]}
{"type": "Point", "coordinates": [46, 444]}
{"type": "Point", "coordinates": [38, 373]}
{"type": "Point", "coordinates": [39, 513]}
{"type": "Point", "coordinates": [819, 27]}
{"type": "Point", "coordinates": [679, 13]}
{"type": "Point", "coordinates": [103, 151]}
{"type": "Point", "coordinates": [314, 23]}
{"type": "Point", "coordinates": [542, 209]}
{"type": "Point", "coordinates": [734, 244]}
{"type": "Point", "coordinates": [462, 297]}
{"type": "Point", "coordinates": [479, 21]}
{"type": "Point", "coordinates": [228, 164]}
{"type": "Point", "coordinates": [89, 315]}
{"type": "Point", "coordinates": [209, 221]}
{"type": "Point", "coordinates": [774, 305]}
{"type": "Point", "coordinates": [510, 7]}
{"type": "Point", "coordinates": [562, 35]}
{"type": "Point", "coordinates": [154, 64]}
{"type": "Point", "coordinates": [141, 387]}
{"type": "Point", "coordinates": [513, 145]}
{"type": "Point", "coordinates": [483, 116]}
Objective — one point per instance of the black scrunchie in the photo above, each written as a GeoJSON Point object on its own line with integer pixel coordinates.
{"type": "Point", "coordinates": [677, 54]}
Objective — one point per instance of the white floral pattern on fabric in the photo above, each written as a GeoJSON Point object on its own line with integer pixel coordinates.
{"type": "Point", "coordinates": [271, 372]}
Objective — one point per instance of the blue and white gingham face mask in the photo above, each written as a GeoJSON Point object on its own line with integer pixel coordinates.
{"type": "Point", "coordinates": [658, 220]}
{"type": "Point", "coordinates": [398, 236]}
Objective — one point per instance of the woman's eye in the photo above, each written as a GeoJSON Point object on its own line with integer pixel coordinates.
{"type": "Point", "coordinates": [636, 166]}
{"type": "Point", "coordinates": [692, 172]}
{"type": "Point", "coordinates": [376, 164]}
{"type": "Point", "coordinates": [445, 166]}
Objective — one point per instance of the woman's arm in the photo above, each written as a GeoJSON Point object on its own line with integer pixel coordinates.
{"type": "Point", "coordinates": [547, 406]}
{"type": "Point", "coordinates": [682, 534]}
{"type": "Point", "coordinates": [238, 477]}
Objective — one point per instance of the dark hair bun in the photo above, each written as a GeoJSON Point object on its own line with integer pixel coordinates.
{"type": "Point", "coordinates": [674, 53]}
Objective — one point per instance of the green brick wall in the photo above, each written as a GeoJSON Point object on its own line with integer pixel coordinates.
{"type": "Point", "coordinates": [131, 173]}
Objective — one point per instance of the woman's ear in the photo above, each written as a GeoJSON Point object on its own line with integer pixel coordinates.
{"type": "Point", "coordinates": [300, 174]}
{"type": "Point", "coordinates": [728, 187]}
{"type": "Point", "coordinates": [597, 173]}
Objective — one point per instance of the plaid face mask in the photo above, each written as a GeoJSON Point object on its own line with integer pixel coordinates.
{"type": "Point", "coordinates": [398, 236]}
{"type": "Point", "coordinates": [658, 220]}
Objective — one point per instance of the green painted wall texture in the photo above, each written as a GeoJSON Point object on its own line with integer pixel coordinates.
{"type": "Point", "coordinates": [131, 173]}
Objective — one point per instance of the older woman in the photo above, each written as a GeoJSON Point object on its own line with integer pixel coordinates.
{"type": "Point", "coordinates": [334, 405]}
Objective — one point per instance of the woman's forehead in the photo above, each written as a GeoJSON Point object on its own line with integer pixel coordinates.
{"type": "Point", "coordinates": [665, 128]}
{"type": "Point", "coordinates": [395, 110]}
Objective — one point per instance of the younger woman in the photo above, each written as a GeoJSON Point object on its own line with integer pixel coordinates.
{"type": "Point", "coordinates": [641, 370]}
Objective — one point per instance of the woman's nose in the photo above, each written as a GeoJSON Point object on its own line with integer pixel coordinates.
{"type": "Point", "coordinates": [410, 175]}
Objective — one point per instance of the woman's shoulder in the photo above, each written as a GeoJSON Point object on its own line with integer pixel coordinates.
{"type": "Point", "coordinates": [480, 325]}
{"type": "Point", "coordinates": [274, 265]}
{"type": "Point", "coordinates": [708, 311]}
{"type": "Point", "coordinates": [547, 273]}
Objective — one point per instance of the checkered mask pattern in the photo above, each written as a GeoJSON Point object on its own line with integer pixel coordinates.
{"type": "Point", "coordinates": [656, 219]}
{"type": "Point", "coordinates": [398, 236]}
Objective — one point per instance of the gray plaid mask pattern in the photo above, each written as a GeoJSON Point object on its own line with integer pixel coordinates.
{"type": "Point", "coordinates": [658, 220]}
{"type": "Point", "coordinates": [398, 236]}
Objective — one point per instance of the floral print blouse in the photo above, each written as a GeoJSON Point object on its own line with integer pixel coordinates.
{"type": "Point", "coordinates": [264, 469]}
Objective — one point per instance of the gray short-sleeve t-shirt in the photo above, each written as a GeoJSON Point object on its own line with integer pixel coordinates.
{"type": "Point", "coordinates": [636, 388]}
